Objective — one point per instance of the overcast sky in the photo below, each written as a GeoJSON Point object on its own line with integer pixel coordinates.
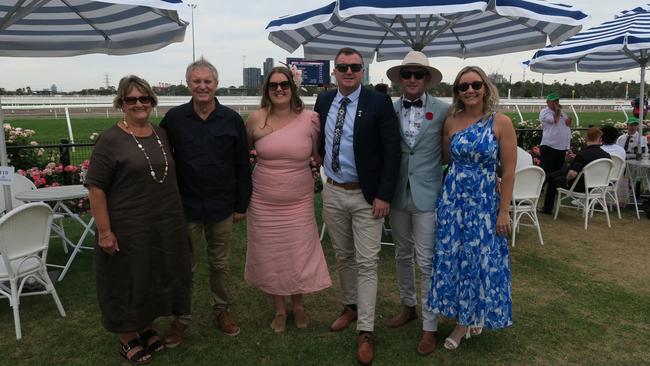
{"type": "Point", "coordinates": [231, 34]}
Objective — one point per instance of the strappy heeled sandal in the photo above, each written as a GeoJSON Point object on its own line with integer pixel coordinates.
{"type": "Point", "coordinates": [451, 344]}
{"type": "Point", "coordinates": [155, 346]}
{"type": "Point", "coordinates": [137, 358]}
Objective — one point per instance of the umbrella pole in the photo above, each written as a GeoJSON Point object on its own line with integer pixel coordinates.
{"type": "Point", "coordinates": [642, 98]}
{"type": "Point", "coordinates": [3, 161]}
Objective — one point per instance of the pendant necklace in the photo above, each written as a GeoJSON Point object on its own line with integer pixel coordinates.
{"type": "Point", "coordinates": [151, 171]}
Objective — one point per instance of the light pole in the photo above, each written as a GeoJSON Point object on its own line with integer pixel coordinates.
{"type": "Point", "coordinates": [192, 6]}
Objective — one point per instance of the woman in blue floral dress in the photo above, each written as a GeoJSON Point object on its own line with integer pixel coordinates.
{"type": "Point", "coordinates": [470, 281]}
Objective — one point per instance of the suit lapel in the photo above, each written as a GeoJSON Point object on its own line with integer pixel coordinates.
{"type": "Point", "coordinates": [398, 109]}
{"type": "Point", "coordinates": [361, 110]}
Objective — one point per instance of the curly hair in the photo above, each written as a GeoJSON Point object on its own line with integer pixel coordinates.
{"type": "Point", "coordinates": [295, 103]}
{"type": "Point", "coordinates": [490, 94]}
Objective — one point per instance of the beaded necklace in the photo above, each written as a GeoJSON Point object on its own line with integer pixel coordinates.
{"type": "Point", "coordinates": [151, 171]}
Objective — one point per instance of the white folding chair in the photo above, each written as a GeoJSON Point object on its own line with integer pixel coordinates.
{"type": "Point", "coordinates": [323, 179]}
{"type": "Point", "coordinates": [615, 176]}
{"type": "Point", "coordinates": [22, 184]}
{"type": "Point", "coordinates": [525, 194]}
{"type": "Point", "coordinates": [24, 237]}
{"type": "Point", "coordinates": [596, 178]}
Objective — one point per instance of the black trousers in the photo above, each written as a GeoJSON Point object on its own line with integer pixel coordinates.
{"type": "Point", "coordinates": [555, 180]}
{"type": "Point", "coordinates": [551, 160]}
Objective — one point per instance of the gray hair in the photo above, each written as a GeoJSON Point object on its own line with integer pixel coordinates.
{"type": "Point", "coordinates": [198, 64]}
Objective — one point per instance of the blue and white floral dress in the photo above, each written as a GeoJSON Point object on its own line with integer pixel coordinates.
{"type": "Point", "coordinates": [470, 280]}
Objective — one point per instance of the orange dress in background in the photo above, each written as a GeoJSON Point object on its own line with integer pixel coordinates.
{"type": "Point", "coordinates": [284, 255]}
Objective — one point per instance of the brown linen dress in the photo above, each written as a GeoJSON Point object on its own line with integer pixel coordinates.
{"type": "Point", "coordinates": [150, 276]}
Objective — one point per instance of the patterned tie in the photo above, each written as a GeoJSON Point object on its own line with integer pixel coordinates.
{"type": "Point", "coordinates": [338, 131]}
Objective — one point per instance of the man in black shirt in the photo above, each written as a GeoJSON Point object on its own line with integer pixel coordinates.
{"type": "Point", "coordinates": [564, 178]}
{"type": "Point", "coordinates": [209, 144]}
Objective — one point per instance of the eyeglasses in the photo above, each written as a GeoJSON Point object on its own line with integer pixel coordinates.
{"type": "Point", "coordinates": [145, 99]}
{"type": "Point", "coordinates": [476, 85]}
{"type": "Point", "coordinates": [419, 74]}
{"type": "Point", "coordinates": [353, 67]}
{"type": "Point", "coordinates": [284, 85]}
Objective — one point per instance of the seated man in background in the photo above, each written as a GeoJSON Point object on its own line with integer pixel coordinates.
{"type": "Point", "coordinates": [610, 134]}
{"type": "Point", "coordinates": [564, 178]}
{"type": "Point", "coordinates": [628, 141]}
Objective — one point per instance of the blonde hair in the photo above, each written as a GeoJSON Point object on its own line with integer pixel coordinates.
{"type": "Point", "coordinates": [490, 94]}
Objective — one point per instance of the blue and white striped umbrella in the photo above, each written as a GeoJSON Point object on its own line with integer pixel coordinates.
{"type": "Point", "coordinates": [52, 28]}
{"type": "Point", "coordinates": [460, 28]}
{"type": "Point", "coordinates": [619, 44]}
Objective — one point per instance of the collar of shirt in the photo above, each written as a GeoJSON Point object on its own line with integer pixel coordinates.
{"type": "Point", "coordinates": [352, 96]}
{"type": "Point", "coordinates": [190, 112]}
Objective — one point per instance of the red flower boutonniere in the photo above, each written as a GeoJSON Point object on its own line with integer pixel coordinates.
{"type": "Point", "coordinates": [429, 116]}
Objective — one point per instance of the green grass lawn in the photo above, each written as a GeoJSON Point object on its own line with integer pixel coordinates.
{"type": "Point", "coordinates": [581, 299]}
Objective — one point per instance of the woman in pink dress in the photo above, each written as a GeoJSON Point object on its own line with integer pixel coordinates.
{"type": "Point", "coordinates": [284, 257]}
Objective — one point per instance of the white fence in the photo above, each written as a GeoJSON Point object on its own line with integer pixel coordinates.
{"type": "Point", "coordinates": [62, 105]}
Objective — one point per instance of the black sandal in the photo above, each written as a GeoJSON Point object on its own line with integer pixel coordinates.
{"type": "Point", "coordinates": [137, 358]}
{"type": "Point", "coordinates": [155, 346]}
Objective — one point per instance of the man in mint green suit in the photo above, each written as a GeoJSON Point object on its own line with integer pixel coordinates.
{"type": "Point", "coordinates": [412, 215]}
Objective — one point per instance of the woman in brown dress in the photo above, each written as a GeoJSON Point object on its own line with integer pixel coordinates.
{"type": "Point", "coordinates": [142, 255]}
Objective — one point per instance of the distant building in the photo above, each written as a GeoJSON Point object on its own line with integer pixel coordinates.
{"type": "Point", "coordinates": [252, 77]}
{"type": "Point", "coordinates": [268, 65]}
{"type": "Point", "coordinates": [497, 78]}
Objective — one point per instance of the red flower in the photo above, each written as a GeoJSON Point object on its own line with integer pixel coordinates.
{"type": "Point", "coordinates": [428, 116]}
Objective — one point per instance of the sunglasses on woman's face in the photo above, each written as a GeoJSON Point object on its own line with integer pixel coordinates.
{"type": "Point", "coordinates": [284, 85]}
{"type": "Point", "coordinates": [145, 99]}
{"type": "Point", "coordinates": [476, 85]}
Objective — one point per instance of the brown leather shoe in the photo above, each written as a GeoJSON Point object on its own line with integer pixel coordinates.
{"type": "Point", "coordinates": [175, 334]}
{"type": "Point", "coordinates": [427, 344]}
{"type": "Point", "coordinates": [348, 315]}
{"type": "Point", "coordinates": [365, 353]}
{"type": "Point", "coordinates": [226, 323]}
{"type": "Point", "coordinates": [405, 315]}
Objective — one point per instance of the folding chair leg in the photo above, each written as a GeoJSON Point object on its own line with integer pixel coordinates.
{"type": "Point", "coordinates": [538, 227]}
{"type": "Point", "coordinates": [322, 232]}
{"type": "Point", "coordinates": [618, 209]}
{"type": "Point", "coordinates": [15, 304]}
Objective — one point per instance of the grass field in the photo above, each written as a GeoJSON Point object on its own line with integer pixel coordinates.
{"type": "Point", "coordinates": [581, 299]}
{"type": "Point", "coordinates": [52, 130]}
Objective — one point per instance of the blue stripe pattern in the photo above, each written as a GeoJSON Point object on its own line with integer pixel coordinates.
{"type": "Point", "coordinates": [601, 48]}
{"type": "Point", "coordinates": [87, 26]}
{"type": "Point", "coordinates": [468, 28]}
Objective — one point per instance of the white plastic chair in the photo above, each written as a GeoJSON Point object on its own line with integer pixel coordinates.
{"type": "Point", "coordinates": [615, 176]}
{"type": "Point", "coordinates": [24, 237]}
{"type": "Point", "coordinates": [323, 179]}
{"type": "Point", "coordinates": [596, 178]}
{"type": "Point", "coordinates": [22, 184]}
{"type": "Point", "coordinates": [525, 194]}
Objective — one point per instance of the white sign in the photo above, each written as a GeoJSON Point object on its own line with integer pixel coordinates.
{"type": "Point", "coordinates": [6, 175]}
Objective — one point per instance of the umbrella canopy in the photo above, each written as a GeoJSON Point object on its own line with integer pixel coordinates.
{"type": "Point", "coordinates": [51, 28]}
{"type": "Point", "coordinates": [460, 28]}
{"type": "Point", "coordinates": [619, 44]}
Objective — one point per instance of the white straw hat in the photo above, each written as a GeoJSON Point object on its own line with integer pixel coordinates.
{"type": "Point", "coordinates": [415, 58]}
